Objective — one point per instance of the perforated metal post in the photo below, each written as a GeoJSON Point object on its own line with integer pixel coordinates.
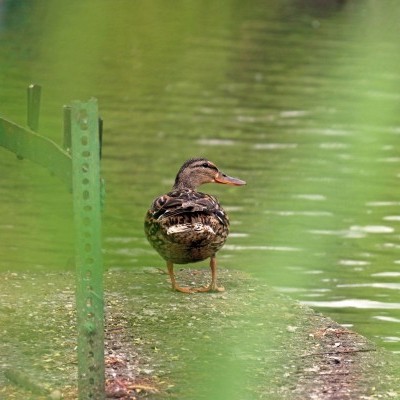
{"type": "Point", "coordinates": [89, 294]}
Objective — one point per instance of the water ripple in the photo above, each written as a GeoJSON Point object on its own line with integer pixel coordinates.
{"type": "Point", "coordinates": [353, 262]}
{"type": "Point", "coordinates": [274, 146]}
{"type": "Point", "coordinates": [376, 285]}
{"type": "Point", "coordinates": [386, 318]}
{"type": "Point", "coordinates": [311, 197]}
{"type": "Point", "coordinates": [268, 248]}
{"type": "Point", "coordinates": [216, 142]}
{"type": "Point", "coordinates": [392, 218]}
{"type": "Point", "coordinates": [372, 229]}
{"type": "Point", "coordinates": [387, 274]}
{"type": "Point", "coordinates": [355, 231]}
{"type": "Point", "coordinates": [353, 303]}
{"type": "Point", "coordinates": [300, 213]}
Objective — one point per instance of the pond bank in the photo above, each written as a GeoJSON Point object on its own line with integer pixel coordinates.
{"type": "Point", "coordinates": [248, 342]}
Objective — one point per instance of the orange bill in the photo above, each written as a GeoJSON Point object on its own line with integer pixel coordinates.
{"type": "Point", "coordinates": [228, 180]}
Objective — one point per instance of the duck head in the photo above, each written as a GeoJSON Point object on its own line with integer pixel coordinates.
{"type": "Point", "coordinates": [197, 171]}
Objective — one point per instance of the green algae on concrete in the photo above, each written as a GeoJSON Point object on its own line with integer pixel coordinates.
{"type": "Point", "coordinates": [246, 343]}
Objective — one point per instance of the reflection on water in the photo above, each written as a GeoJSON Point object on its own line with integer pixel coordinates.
{"type": "Point", "coordinates": [355, 303]}
{"type": "Point", "coordinates": [299, 101]}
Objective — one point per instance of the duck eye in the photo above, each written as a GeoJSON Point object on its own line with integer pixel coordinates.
{"type": "Point", "coordinates": [205, 165]}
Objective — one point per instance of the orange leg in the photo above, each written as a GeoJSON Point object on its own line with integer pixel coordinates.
{"type": "Point", "coordinates": [175, 286]}
{"type": "Point", "coordinates": [213, 266]}
{"type": "Point", "coordinates": [213, 285]}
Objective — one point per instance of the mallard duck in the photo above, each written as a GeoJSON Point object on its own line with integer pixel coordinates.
{"type": "Point", "coordinates": [185, 225]}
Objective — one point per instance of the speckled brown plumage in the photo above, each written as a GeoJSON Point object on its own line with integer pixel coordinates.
{"type": "Point", "coordinates": [185, 225]}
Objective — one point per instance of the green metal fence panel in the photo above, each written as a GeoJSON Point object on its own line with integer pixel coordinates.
{"type": "Point", "coordinates": [79, 167]}
{"type": "Point", "coordinates": [30, 145]}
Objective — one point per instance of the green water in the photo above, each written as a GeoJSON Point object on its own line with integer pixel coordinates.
{"type": "Point", "coordinates": [299, 101]}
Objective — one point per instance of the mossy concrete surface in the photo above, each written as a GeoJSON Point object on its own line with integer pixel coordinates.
{"type": "Point", "coordinates": [248, 342]}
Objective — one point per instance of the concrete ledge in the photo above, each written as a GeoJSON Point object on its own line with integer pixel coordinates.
{"type": "Point", "coordinates": [246, 343]}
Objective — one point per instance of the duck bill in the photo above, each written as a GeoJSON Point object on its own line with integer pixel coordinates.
{"type": "Point", "coordinates": [228, 180]}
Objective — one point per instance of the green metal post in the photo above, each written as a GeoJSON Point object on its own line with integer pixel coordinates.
{"type": "Point", "coordinates": [67, 129]}
{"type": "Point", "coordinates": [34, 93]}
{"type": "Point", "coordinates": [87, 210]}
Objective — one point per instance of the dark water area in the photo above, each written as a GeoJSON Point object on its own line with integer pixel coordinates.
{"type": "Point", "coordinates": [298, 98]}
